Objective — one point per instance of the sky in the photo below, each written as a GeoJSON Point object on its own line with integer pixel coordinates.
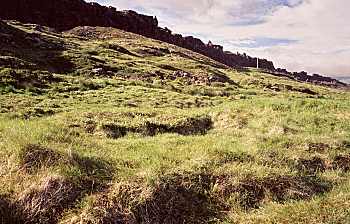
{"type": "Point", "coordinates": [308, 35]}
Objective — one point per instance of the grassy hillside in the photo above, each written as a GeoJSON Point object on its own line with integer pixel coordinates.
{"type": "Point", "coordinates": [102, 126]}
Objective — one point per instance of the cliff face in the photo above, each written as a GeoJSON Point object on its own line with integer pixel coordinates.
{"type": "Point", "coordinates": [67, 14]}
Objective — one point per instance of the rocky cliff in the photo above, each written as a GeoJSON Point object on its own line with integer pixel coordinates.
{"type": "Point", "coordinates": [67, 14]}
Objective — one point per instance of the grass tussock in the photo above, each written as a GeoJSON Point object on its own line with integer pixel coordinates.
{"type": "Point", "coordinates": [33, 157]}
{"type": "Point", "coordinates": [8, 211]}
{"type": "Point", "coordinates": [179, 199]}
{"type": "Point", "coordinates": [46, 203]}
{"type": "Point", "coordinates": [313, 165]}
{"type": "Point", "coordinates": [173, 199]}
{"type": "Point", "coordinates": [92, 172]}
{"type": "Point", "coordinates": [196, 198]}
{"type": "Point", "coordinates": [253, 191]}
{"type": "Point", "coordinates": [342, 162]}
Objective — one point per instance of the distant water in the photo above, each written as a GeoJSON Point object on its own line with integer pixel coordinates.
{"type": "Point", "coordinates": [344, 79]}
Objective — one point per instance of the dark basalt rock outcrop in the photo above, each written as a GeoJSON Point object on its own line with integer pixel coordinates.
{"type": "Point", "coordinates": [67, 14]}
{"type": "Point", "coordinates": [304, 77]}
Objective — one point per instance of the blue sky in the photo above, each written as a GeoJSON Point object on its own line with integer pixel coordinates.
{"type": "Point", "coordinates": [311, 35]}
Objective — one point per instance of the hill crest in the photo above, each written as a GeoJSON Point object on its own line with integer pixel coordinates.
{"type": "Point", "coordinates": [64, 15]}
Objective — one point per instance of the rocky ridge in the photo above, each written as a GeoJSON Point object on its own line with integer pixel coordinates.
{"type": "Point", "coordinates": [67, 14]}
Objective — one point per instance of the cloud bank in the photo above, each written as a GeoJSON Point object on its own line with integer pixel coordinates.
{"type": "Point", "coordinates": [309, 35]}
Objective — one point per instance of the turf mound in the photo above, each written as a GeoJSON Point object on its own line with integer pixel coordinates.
{"type": "Point", "coordinates": [280, 189]}
{"type": "Point", "coordinates": [312, 166]}
{"type": "Point", "coordinates": [342, 162]}
{"type": "Point", "coordinates": [8, 212]}
{"type": "Point", "coordinates": [34, 157]}
{"type": "Point", "coordinates": [179, 199]}
{"type": "Point", "coordinates": [175, 198]}
{"type": "Point", "coordinates": [46, 203]}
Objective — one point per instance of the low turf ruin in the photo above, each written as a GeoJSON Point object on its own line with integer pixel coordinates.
{"type": "Point", "coordinates": [105, 126]}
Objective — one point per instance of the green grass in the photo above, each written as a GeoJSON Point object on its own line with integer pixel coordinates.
{"type": "Point", "coordinates": [258, 137]}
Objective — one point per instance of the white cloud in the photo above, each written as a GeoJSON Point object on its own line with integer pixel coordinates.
{"type": "Point", "coordinates": [320, 28]}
